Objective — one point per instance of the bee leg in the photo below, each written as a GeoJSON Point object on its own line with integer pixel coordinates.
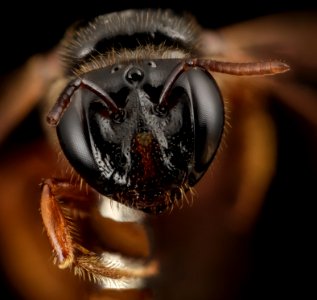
{"type": "Point", "coordinates": [69, 253]}
{"type": "Point", "coordinates": [56, 225]}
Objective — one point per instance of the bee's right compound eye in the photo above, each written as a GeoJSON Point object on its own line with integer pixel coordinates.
{"type": "Point", "coordinates": [74, 139]}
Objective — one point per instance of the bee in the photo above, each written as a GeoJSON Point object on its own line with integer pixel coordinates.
{"type": "Point", "coordinates": [139, 121]}
{"type": "Point", "coordinates": [136, 117]}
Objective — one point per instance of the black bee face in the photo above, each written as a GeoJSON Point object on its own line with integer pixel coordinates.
{"type": "Point", "coordinates": [128, 143]}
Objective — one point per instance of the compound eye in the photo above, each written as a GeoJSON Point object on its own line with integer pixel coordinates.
{"type": "Point", "coordinates": [208, 114]}
{"type": "Point", "coordinates": [74, 139]}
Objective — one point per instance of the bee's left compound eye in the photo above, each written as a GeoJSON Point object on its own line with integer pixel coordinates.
{"type": "Point", "coordinates": [208, 120]}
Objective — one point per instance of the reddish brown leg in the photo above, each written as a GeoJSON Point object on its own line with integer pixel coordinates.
{"type": "Point", "coordinates": [55, 223]}
{"type": "Point", "coordinates": [70, 253]}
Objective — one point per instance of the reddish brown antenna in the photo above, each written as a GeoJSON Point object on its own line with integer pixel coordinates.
{"type": "Point", "coordinates": [240, 69]}
{"type": "Point", "coordinates": [232, 68]}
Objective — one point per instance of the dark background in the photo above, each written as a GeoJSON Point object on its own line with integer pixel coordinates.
{"type": "Point", "coordinates": [285, 232]}
{"type": "Point", "coordinates": [36, 26]}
